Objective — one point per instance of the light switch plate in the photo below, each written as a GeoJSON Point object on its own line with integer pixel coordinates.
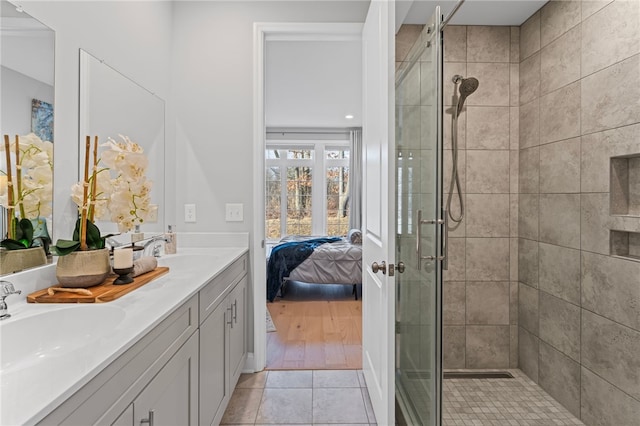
{"type": "Point", "coordinates": [189, 212]}
{"type": "Point", "coordinates": [234, 212]}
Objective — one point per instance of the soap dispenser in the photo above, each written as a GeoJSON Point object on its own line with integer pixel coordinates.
{"type": "Point", "coordinates": [171, 242]}
{"type": "Point", "coordinates": [136, 235]}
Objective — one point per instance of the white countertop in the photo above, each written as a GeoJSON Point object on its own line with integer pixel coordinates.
{"type": "Point", "coordinates": [29, 392]}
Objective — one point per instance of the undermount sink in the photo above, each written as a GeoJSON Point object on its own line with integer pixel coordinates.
{"type": "Point", "coordinates": [28, 337]}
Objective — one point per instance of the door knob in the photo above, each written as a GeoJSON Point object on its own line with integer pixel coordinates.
{"type": "Point", "coordinates": [382, 267]}
{"type": "Point", "coordinates": [400, 267]}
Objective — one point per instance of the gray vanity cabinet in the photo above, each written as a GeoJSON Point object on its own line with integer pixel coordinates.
{"type": "Point", "coordinates": [222, 339]}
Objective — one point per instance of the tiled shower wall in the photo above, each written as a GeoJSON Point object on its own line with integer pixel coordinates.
{"type": "Point", "coordinates": [480, 287]}
{"type": "Point", "coordinates": [579, 306]}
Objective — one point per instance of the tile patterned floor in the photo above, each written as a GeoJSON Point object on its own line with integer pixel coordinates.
{"type": "Point", "coordinates": [323, 397]}
{"type": "Point", "coordinates": [502, 402]}
{"type": "Point", "coordinates": [302, 397]}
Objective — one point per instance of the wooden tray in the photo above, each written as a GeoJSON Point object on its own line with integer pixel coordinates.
{"type": "Point", "coordinates": [105, 292]}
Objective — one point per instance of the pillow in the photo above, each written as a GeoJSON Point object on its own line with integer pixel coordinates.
{"type": "Point", "coordinates": [355, 236]}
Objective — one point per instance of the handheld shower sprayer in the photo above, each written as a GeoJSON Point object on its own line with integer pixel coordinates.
{"type": "Point", "coordinates": [467, 87]}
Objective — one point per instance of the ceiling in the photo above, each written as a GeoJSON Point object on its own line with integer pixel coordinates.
{"type": "Point", "coordinates": [472, 12]}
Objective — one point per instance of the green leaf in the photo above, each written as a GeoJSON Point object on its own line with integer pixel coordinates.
{"type": "Point", "coordinates": [64, 247]}
{"type": "Point", "coordinates": [94, 240]}
{"type": "Point", "coordinates": [25, 228]}
{"type": "Point", "coordinates": [12, 244]}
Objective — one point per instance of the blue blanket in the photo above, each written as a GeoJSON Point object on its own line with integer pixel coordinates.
{"type": "Point", "coordinates": [286, 257]}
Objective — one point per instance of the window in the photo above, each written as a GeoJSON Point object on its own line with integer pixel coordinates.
{"type": "Point", "coordinates": [306, 189]}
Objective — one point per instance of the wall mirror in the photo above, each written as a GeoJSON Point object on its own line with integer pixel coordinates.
{"type": "Point", "coordinates": [27, 49]}
{"type": "Point", "coordinates": [111, 104]}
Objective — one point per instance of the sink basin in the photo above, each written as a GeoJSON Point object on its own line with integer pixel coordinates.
{"type": "Point", "coordinates": [29, 337]}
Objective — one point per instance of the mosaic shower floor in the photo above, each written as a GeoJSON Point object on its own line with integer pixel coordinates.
{"type": "Point", "coordinates": [501, 402]}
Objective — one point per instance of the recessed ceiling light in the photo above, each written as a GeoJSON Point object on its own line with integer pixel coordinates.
{"type": "Point", "coordinates": [349, 116]}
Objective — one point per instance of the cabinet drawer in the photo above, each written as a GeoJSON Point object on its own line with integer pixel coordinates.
{"type": "Point", "coordinates": [107, 395]}
{"type": "Point", "coordinates": [217, 289]}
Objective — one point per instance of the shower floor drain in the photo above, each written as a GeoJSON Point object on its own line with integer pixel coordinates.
{"type": "Point", "coordinates": [477, 375]}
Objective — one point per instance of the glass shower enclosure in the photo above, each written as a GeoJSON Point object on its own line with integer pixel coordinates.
{"type": "Point", "coordinates": [419, 228]}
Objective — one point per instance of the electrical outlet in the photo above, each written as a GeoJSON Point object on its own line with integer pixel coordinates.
{"type": "Point", "coordinates": [153, 214]}
{"type": "Point", "coordinates": [189, 212]}
{"type": "Point", "coordinates": [234, 212]}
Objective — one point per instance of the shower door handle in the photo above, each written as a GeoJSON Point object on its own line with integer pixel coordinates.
{"type": "Point", "coordinates": [419, 238]}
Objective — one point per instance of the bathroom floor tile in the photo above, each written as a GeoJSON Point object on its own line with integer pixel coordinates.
{"type": "Point", "coordinates": [335, 379]}
{"type": "Point", "coordinates": [281, 406]}
{"type": "Point", "coordinates": [289, 379]}
{"type": "Point", "coordinates": [254, 381]}
{"type": "Point", "coordinates": [243, 406]}
{"type": "Point", "coordinates": [338, 405]}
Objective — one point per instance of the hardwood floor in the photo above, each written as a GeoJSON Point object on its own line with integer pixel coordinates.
{"type": "Point", "coordinates": [318, 327]}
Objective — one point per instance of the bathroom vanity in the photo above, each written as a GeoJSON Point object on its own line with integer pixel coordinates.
{"type": "Point", "coordinates": [170, 352]}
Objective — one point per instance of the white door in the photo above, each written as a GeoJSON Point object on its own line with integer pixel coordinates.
{"type": "Point", "coordinates": [378, 207]}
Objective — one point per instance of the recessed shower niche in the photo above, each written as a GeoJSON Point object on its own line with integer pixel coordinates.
{"type": "Point", "coordinates": [625, 185]}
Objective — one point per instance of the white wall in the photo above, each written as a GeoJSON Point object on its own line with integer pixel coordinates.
{"type": "Point", "coordinates": [212, 99]}
{"type": "Point", "coordinates": [133, 37]}
{"type": "Point", "coordinates": [313, 83]}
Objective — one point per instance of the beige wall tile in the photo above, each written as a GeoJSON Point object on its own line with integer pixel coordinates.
{"type": "Point", "coordinates": [559, 376]}
{"type": "Point", "coordinates": [487, 259]}
{"type": "Point", "coordinates": [528, 258]}
{"type": "Point", "coordinates": [514, 55]}
{"type": "Point", "coordinates": [529, 170]}
{"type": "Point", "coordinates": [488, 43]}
{"type": "Point", "coordinates": [405, 39]}
{"type": "Point", "coordinates": [487, 303]}
{"type": "Point", "coordinates": [611, 351]}
{"type": "Point", "coordinates": [589, 7]}
{"type": "Point", "coordinates": [528, 350]}
{"type": "Point", "coordinates": [604, 404]}
{"type": "Point", "coordinates": [514, 171]}
{"type": "Point", "coordinates": [514, 85]}
{"type": "Point", "coordinates": [513, 304]}
{"type": "Point", "coordinates": [513, 215]}
{"type": "Point", "coordinates": [529, 82]}
{"type": "Point", "coordinates": [494, 84]}
{"type": "Point", "coordinates": [529, 124]}
{"type": "Point", "coordinates": [560, 219]}
{"type": "Point", "coordinates": [456, 271]}
{"type": "Point", "coordinates": [513, 346]}
{"type": "Point", "coordinates": [610, 97]}
{"type": "Point", "coordinates": [528, 316]}
{"type": "Point", "coordinates": [594, 222]}
{"type": "Point", "coordinates": [560, 325]}
{"type": "Point", "coordinates": [530, 36]}
{"type": "Point", "coordinates": [487, 172]}
{"type": "Point", "coordinates": [528, 216]}
{"type": "Point", "coordinates": [560, 272]}
{"type": "Point", "coordinates": [514, 127]}
{"type": "Point", "coordinates": [513, 260]}
{"type": "Point", "coordinates": [487, 127]}
{"type": "Point", "coordinates": [611, 35]}
{"type": "Point", "coordinates": [408, 134]}
{"type": "Point", "coordinates": [487, 346]}
{"type": "Point", "coordinates": [453, 346]}
{"type": "Point", "coordinates": [448, 165]}
{"type": "Point", "coordinates": [560, 167]}
{"type": "Point", "coordinates": [486, 215]}
{"type": "Point", "coordinates": [453, 298]}
{"type": "Point", "coordinates": [557, 17]}
{"type": "Point", "coordinates": [455, 43]}
{"type": "Point", "coordinates": [611, 288]}
{"type": "Point", "coordinates": [560, 114]}
{"type": "Point", "coordinates": [560, 61]}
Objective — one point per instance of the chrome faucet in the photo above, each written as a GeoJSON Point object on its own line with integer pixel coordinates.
{"type": "Point", "coordinates": [6, 289]}
{"type": "Point", "coordinates": [156, 247]}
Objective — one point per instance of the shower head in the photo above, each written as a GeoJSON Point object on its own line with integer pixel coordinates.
{"type": "Point", "coordinates": [467, 87]}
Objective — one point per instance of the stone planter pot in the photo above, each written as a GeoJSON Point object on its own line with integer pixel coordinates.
{"type": "Point", "coordinates": [18, 260]}
{"type": "Point", "coordinates": [83, 268]}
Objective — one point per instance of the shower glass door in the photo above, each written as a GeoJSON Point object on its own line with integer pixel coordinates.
{"type": "Point", "coordinates": [419, 197]}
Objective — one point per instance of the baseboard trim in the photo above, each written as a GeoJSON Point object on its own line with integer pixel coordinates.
{"type": "Point", "coordinates": [249, 364]}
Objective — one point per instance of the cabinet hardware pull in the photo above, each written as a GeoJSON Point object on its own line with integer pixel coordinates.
{"type": "Point", "coordinates": [235, 311]}
{"type": "Point", "coordinates": [230, 322]}
{"type": "Point", "coordinates": [149, 420]}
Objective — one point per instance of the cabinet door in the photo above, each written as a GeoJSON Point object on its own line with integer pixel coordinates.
{"type": "Point", "coordinates": [171, 397]}
{"type": "Point", "coordinates": [237, 343]}
{"type": "Point", "coordinates": [126, 418]}
{"type": "Point", "coordinates": [214, 379]}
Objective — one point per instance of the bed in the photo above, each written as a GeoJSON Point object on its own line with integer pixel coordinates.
{"type": "Point", "coordinates": [315, 260]}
